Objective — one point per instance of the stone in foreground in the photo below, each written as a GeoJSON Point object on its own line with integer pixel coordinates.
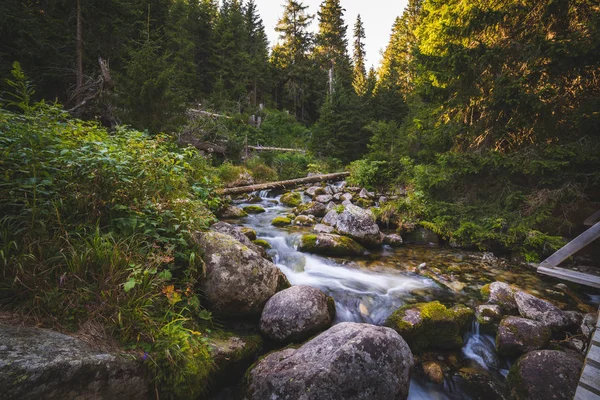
{"type": "Point", "coordinates": [349, 361]}
{"type": "Point", "coordinates": [42, 364]}
{"type": "Point", "coordinates": [545, 374]}
{"type": "Point", "coordinates": [296, 314]}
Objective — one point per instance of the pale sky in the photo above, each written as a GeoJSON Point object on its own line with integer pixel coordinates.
{"type": "Point", "coordinates": [377, 15]}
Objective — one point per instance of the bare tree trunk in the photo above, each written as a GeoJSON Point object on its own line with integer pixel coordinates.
{"type": "Point", "coordinates": [284, 184]}
{"type": "Point", "coordinates": [79, 40]}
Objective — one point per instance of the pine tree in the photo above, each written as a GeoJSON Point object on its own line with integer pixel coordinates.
{"type": "Point", "coordinates": [360, 71]}
{"type": "Point", "coordinates": [258, 51]}
{"type": "Point", "coordinates": [291, 63]}
{"type": "Point", "coordinates": [332, 43]}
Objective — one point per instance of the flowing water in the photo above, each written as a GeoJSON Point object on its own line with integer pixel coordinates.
{"type": "Point", "coordinates": [369, 289]}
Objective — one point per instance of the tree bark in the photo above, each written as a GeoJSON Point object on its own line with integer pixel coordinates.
{"type": "Point", "coordinates": [284, 184]}
{"type": "Point", "coordinates": [79, 40]}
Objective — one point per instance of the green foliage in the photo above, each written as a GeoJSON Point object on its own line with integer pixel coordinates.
{"type": "Point", "coordinates": [97, 226]}
{"type": "Point", "coordinates": [367, 174]}
{"type": "Point", "coordinates": [260, 171]}
{"type": "Point", "coordinates": [230, 175]}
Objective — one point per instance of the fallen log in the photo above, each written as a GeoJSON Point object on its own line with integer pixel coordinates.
{"type": "Point", "coordinates": [263, 148]}
{"type": "Point", "coordinates": [284, 184]}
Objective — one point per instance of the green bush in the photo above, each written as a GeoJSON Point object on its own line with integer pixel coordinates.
{"type": "Point", "coordinates": [260, 171]}
{"type": "Point", "coordinates": [368, 174]}
{"type": "Point", "coordinates": [97, 226]}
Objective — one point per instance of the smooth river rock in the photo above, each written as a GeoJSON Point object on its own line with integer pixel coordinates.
{"type": "Point", "coordinates": [501, 294]}
{"type": "Point", "coordinates": [296, 314]}
{"type": "Point", "coordinates": [350, 361]}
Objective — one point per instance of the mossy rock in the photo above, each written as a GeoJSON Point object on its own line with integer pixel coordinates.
{"type": "Point", "coordinates": [291, 199]}
{"type": "Point", "coordinates": [304, 220]}
{"type": "Point", "coordinates": [254, 209]}
{"type": "Point", "coordinates": [231, 212]}
{"type": "Point", "coordinates": [281, 221]}
{"type": "Point", "coordinates": [330, 245]}
{"type": "Point", "coordinates": [431, 325]}
{"type": "Point", "coordinates": [248, 232]}
{"type": "Point", "coordinates": [263, 243]}
{"type": "Point", "coordinates": [485, 292]}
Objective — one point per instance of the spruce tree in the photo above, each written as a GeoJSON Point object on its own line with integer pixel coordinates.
{"type": "Point", "coordinates": [332, 43]}
{"type": "Point", "coordinates": [258, 52]}
{"type": "Point", "coordinates": [360, 72]}
{"type": "Point", "coordinates": [292, 66]}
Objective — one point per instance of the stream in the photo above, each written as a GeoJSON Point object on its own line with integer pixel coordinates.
{"type": "Point", "coordinates": [369, 289]}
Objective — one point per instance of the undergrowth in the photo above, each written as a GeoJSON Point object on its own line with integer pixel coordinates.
{"type": "Point", "coordinates": [97, 226]}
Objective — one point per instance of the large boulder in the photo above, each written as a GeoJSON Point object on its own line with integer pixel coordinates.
{"type": "Point", "coordinates": [431, 325]}
{"type": "Point", "coordinates": [545, 374]}
{"type": "Point", "coordinates": [360, 225]}
{"type": "Point", "coordinates": [296, 314]}
{"type": "Point", "coordinates": [518, 335]}
{"type": "Point", "coordinates": [327, 244]}
{"type": "Point", "coordinates": [291, 199]}
{"type": "Point", "coordinates": [238, 280]}
{"type": "Point", "coordinates": [313, 208]}
{"type": "Point", "coordinates": [349, 361]}
{"type": "Point", "coordinates": [231, 212]}
{"type": "Point", "coordinates": [547, 313]}
{"type": "Point", "coordinates": [239, 235]}
{"type": "Point", "coordinates": [41, 364]}
{"type": "Point", "coordinates": [421, 235]}
{"type": "Point", "coordinates": [501, 294]}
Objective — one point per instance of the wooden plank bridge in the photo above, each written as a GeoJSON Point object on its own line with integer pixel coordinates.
{"type": "Point", "coordinates": [589, 382]}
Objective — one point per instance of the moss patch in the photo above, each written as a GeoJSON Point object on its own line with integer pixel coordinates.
{"type": "Point", "coordinates": [281, 221]}
{"type": "Point", "coordinates": [254, 209]}
{"type": "Point", "coordinates": [291, 199]}
{"type": "Point", "coordinates": [262, 243]}
{"type": "Point", "coordinates": [430, 325]}
{"type": "Point", "coordinates": [330, 245]}
{"type": "Point", "coordinates": [248, 232]}
{"type": "Point", "coordinates": [485, 292]}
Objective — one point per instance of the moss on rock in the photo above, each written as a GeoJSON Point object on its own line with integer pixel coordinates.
{"type": "Point", "coordinates": [431, 325]}
{"type": "Point", "coordinates": [281, 221]}
{"type": "Point", "coordinates": [262, 243]}
{"type": "Point", "coordinates": [248, 232]}
{"type": "Point", "coordinates": [254, 209]}
{"type": "Point", "coordinates": [291, 199]}
{"type": "Point", "coordinates": [330, 245]}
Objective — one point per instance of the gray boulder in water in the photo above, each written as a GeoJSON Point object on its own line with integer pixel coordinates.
{"type": "Point", "coordinates": [296, 314]}
{"type": "Point", "coordinates": [42, 364]}
{"type": "Point", "coordinates": [545, 374]}
{"type": "Point", "coordinates": [349, 361]}
{"type": "Point", "coordinates": [360, 225]}
{"type": "Point", "coordinates": [238, 280]}
{"type": "Point", "coordinates": [518, 335]}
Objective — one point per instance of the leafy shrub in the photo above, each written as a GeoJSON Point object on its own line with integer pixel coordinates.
{"type": "Point", "coordinates": [260, 171]}
{"type": "Point", "coordinates": [97, 226]}
{"type": "Point", "coordinates": [367, 174]}
{"type": "Point", "coordinates": [230, 174]}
